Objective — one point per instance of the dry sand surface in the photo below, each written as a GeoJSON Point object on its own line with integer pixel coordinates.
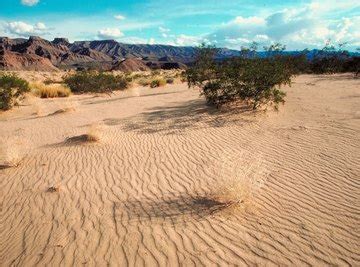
{"type": "Point", "coordinates": [155, 177]}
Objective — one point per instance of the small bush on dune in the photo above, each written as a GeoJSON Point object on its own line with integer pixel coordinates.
{"type": "Point", "coordinates": [93, 135]}
{"type": "Point", "coordinates": [12, 88]}
{"type": "Point", "coordinates": [254, 81]}
{"type": "Point", "coordinates": [93, 82]}
{"type": "Point", "coordinates": [158, 82]}
{"type": "Point", "coordinates": [50, 91]}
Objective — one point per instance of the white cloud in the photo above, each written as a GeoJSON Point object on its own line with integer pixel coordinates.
{"type": "Point", "coordinates": [133, 40]}
{"type": "Point", "coordinates": [110, 33]}
{"type": "Point", "coordinates": [40, 26]}
{"type": "Point", "coordinates": [22, 29]}
{"type": "Point", "coordinates": [308, 26]}
{"type": "Point", "coordinates": [119, 17]}
{"type": "Point", "coordinates": [163, 30]}
{"type": "Point", "coordinates": [250, 21]}
{"type": "Point", "coordinates": [187, 40]}
{"type": "Point", "coordinates": [30, 2]}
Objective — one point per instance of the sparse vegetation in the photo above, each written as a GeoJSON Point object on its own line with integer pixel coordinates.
{"type": "Point", "coordinates": [157, 82]}
{"type": "Point", "coordinates": [12, 152]}
{"type": "Point", "coordinates": [50, 90]}
{"type": "Point", "coordinates": [144, 81]}
{"type": "Point", "coordinates": [93, 82]}
{"type": "Point", "coordinates": [92, 135]}
{"type": "Point", "coordinates": [12, 89]}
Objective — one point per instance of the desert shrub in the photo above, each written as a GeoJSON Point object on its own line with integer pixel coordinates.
{"type": "Point", "coordinates": [330, 60]}
{"type": "Point", "coordinates": [296, 64]}
{"type": "Point", "coordinates": [155, 72]}
{"type": "Point", "coordinates": [326, 64]}
{"type": "Point", "coordinates": [157, 82]}
{"type": "Point", "coordinates": [352, 65]}
{"type": "Point", "coordinates": [50, 81]}
{"type": "Point", "coordinates": [170, 80]}
{"type": "Point", "coordinates": [254, 81]}
{"type": "Point", "coordinates": [136, 76]}
{"type": "Point", "coordinates": [94, 82]}
{"type": "Point", "coordinates": [12, 88]}
{"type": "Point", "coordinates": [50, 90]}
{"type": "Point", "coordinates": [144, 81]}
{"type": "Point", "coordinates": [128, 77]}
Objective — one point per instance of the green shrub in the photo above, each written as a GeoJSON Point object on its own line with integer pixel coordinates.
{"type": "Point", "coordinates": [12, 88]}
{"type": "Point", "coordinates": [254, 81]}
{"type": "Point", "coordinates": [94, 82]}
{"type": "Point", "coordinates": [157, 82]}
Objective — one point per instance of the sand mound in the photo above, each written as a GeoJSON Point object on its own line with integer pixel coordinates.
{"type": "Point", "coordinates": [175, 182]}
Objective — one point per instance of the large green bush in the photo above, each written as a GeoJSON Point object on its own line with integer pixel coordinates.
{"type": "Point", "coordinates": [93, 82]}
{"type": "Point", "coordinates": [12, 88]}
{"type": "Point", "coordinates": [254, 81]}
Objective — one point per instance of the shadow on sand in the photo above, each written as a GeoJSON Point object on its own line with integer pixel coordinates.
{"type": "Point", "coordinates": [121, 98]}
{"type": "Point", "coordinates": [176, 118]}
{"type": "Point", "coordinates": [176, 209]}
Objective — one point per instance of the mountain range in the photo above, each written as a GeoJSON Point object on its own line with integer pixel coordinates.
{"type": "Point", "coordinates": [37, 53]}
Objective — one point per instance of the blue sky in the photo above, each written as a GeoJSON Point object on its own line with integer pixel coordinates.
{"type": "Point", "coordinates": [225, 23]}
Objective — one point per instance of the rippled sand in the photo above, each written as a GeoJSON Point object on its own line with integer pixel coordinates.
{"type": "Point", "coordinates": [149, 190]}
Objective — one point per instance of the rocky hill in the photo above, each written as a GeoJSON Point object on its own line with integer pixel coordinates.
{"type": "Point", "coordinates": [36, 53]}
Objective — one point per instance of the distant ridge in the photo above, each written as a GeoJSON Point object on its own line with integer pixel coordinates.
{"type": "Point", "coordinates": [37, 53]}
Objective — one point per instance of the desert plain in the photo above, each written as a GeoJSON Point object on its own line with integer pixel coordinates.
{"type": "Point", "coordinates": [170, 181]}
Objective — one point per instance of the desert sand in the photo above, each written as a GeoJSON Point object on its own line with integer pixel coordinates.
{"type": "Point", "coordinates": [149, 190]}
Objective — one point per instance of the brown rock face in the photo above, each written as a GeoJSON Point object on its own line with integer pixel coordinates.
{"type": "Point", "coordinates": [40, 54]}
{"type": "Point", "coordinates": [14, 61]}
{"type": "Point", "coordinates": [130, 64]}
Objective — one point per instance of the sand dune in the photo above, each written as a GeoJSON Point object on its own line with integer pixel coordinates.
{"type": "Point", "coordinates": [151, 189]}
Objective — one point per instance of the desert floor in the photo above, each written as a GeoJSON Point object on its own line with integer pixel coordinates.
{"type": "Point", "coordinates": [148, 192]}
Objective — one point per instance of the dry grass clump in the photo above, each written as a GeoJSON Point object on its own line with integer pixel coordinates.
{"type": "Point", "coordinates": [156, 78]}
{"type": "Point", "coordinates": [230, 193]}
{"type": "Point", "coordinates": [93, 135]}
{"type": "Point", "coordinates": [144, 81]}
{"type": "Point", "coordinates": [157, 82]}
{"type": "Point", "coordinates": [53, 189]}
{"type": "Point", "coordinates": [12, 153]}
{"type": "Point", "coordinates": [243, 175]}
{"type": "Point", "coordinates": [49, 90]}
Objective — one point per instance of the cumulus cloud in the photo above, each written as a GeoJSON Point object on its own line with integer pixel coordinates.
{"type": "Point", "coordinates": [298, 28]}
{"type": "Point", "coordinates": [187, 40]}
{"type": "Point", "coordinates": [163, 29]}
{"type": "Point", "coordinates": [164, 32]}
{"type": "Point", "coordinates": [30, 2]}
{"type": "Point", "coordinates": [22, 29]}
{"type": "Point", "coordinates": [119, 17]}
{"type": "Point", "coordinates": [110, 33]}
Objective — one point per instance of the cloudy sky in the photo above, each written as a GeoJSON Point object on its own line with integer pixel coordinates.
{"type": "Point", "coordinates": [226, 23]}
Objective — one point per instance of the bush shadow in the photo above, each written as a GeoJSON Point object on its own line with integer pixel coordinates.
{"type": "Point", "coordinates": [174, 119]}
{"type": "Point", "coordinates": [175, 209]}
